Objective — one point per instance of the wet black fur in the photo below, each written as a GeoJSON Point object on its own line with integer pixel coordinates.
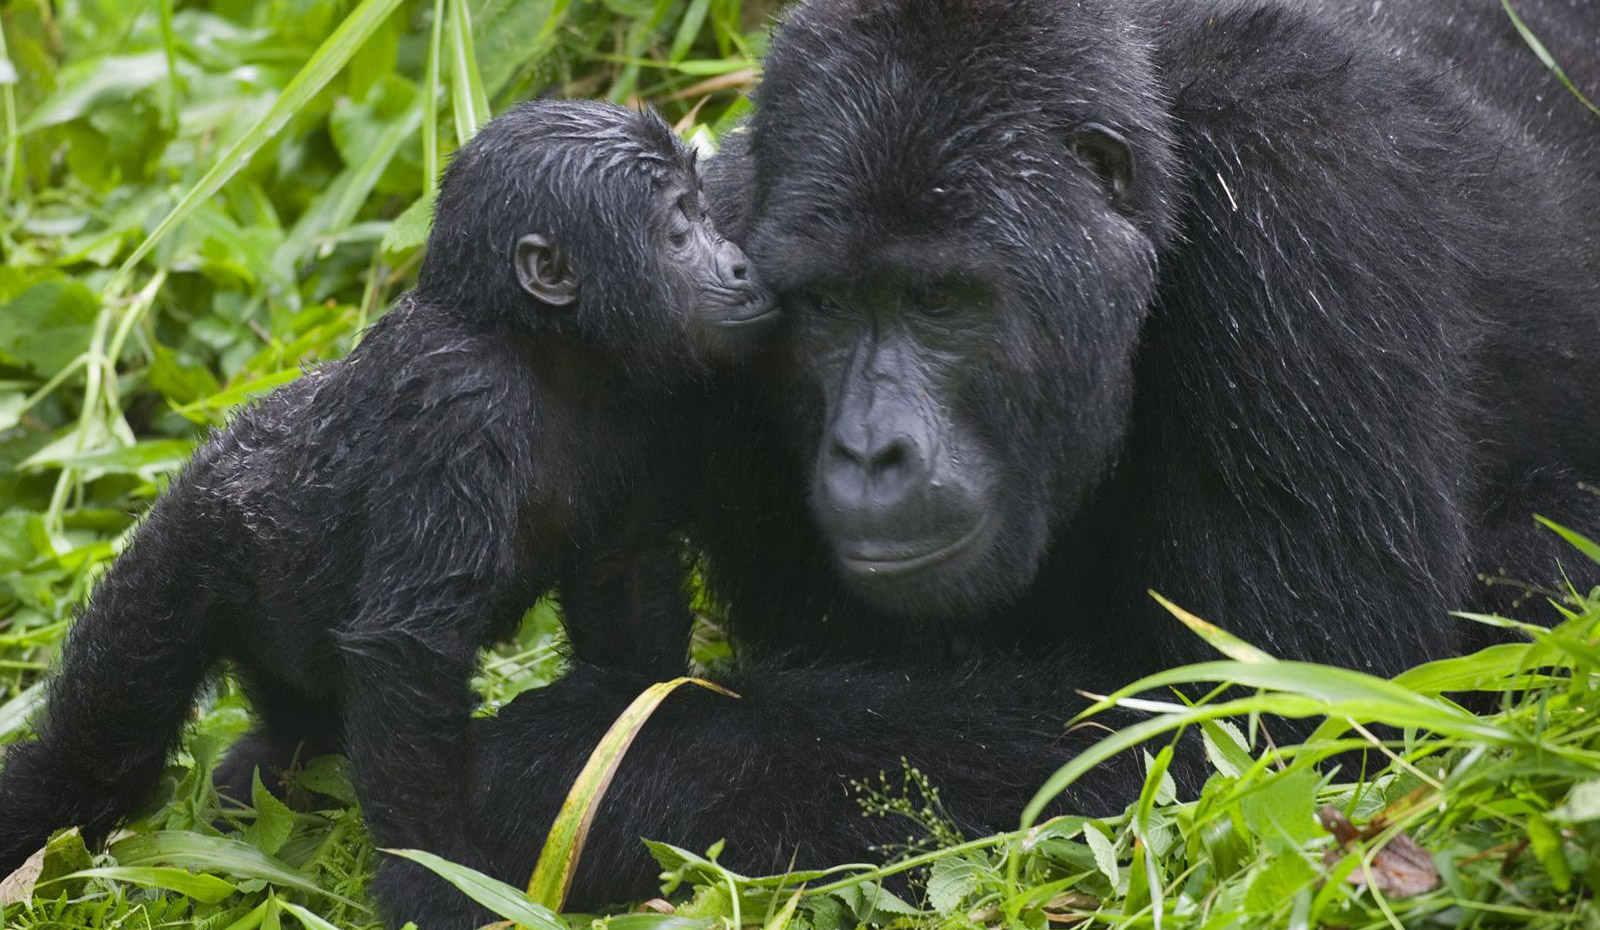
{"type": "Point", "coordinates": [351, 541]}
{"type": "Point", "coordinates": [1366, 357]}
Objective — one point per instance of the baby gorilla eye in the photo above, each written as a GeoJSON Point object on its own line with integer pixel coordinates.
{"type": "Point", "coordinates": [680, 224]}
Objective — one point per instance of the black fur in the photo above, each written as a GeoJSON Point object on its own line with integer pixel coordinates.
{"type": "Point", "coordinates": [350, 542]}
{"type": "Point", "coordinates": [1286, 310]}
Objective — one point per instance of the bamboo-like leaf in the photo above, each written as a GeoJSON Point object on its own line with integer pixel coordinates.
{"type": "Point", "coordinates": [217, 854]}
{"type": "Point", "coordinates": [1579, 541]}
{"type": "Point", "coordinates": [1224, 642]}
{"type": "Point", "coordinates": [552, 876]}
{"type": "Point", "coordinates": [323, 66]}
{"type": "Point", "coordinates": [496, 895]}
{"type": "Point", "coordinates": [201, 887]}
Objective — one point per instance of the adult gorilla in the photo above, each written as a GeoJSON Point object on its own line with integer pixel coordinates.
{"type": "Point", "coordinates": [1286, 310]}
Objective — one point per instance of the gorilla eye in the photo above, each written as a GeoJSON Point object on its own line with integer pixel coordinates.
{"type": "Point", "coordinates": [823, 300]}
{"type": "Point", "coordinates": [936, 299]}
{"type": "Point", "coordinates": [1108, 155]}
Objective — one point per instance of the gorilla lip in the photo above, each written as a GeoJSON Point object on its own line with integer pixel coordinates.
{"type": "Point", "coordinates": [861, 563]}
{"type": "Point", "coordinates": [754, 311]}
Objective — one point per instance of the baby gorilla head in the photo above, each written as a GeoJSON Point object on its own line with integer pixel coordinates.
{"type": "Point", "coordinates": [587, 219]}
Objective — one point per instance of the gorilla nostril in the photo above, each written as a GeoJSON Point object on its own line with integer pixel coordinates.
{"type": "Point", "coordinates": [889, 458]}
{"type": "Point", "coordinates": [739, 271]}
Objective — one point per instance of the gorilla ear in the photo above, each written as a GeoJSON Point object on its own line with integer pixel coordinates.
{"type": "Point", "coordinates": [1109, 155]}
{"type": "Point", "coordinates": [543, 272]}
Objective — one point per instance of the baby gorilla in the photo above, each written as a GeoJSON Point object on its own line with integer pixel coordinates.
{"type": "Point", "coordinates": [523, 419]}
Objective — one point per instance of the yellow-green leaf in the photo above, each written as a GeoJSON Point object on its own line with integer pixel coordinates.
{"type": "Point", "coordinates": [552, 876]}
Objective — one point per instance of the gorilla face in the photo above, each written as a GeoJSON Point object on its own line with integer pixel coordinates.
{"type": "Point", "coordinates": [965, 257]}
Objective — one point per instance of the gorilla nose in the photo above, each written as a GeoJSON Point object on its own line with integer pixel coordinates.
{"type": "Point", "coordinates": [876, 475]}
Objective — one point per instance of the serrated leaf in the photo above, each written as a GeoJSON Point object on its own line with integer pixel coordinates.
{"type": "Point", "coordinates": [274, 820]}
{"type": "Point", "coordinates": [950, 880]}
{"type": "Point", "coordinates": [1225, 747]}
{"type": "Point", "coordinates": [1105, 854]}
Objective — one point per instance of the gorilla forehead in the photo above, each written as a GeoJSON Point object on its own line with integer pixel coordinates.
{"type": "Point", "coordinates": [921, 119]}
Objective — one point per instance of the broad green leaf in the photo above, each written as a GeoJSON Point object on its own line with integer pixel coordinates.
{"type": "Point", "coordinates": [207, 888]}
{"type": "Point", "coordinates": [97, 82]}
{"type": "Point", "coordinates": [409, 230]}
{"type": "Point", "coordinates": [47, 325]}
{"type": "Point", "coordinates": [323, 66]}
{"type": "Point", "coordinates": [148, 460]}
{"type": "Point", "coordinates": [1283, 806]}
{"type": "Point", "coordinates": [1275, 885]}
{"type": "Point", "coordinates": [493, 894]}
{"type": "Point", "coordinates": [558, 861]}
{"type": "Point", "coordinates": [513, 35]}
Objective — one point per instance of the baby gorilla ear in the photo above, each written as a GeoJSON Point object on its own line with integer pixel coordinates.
{"type": "Point", "coordinates": [543, 272]}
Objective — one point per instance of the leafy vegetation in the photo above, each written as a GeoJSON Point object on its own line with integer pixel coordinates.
{"type": "Point", "coordinates": [199, 198]}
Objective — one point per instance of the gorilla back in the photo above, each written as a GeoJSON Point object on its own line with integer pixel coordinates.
{"type": "Point", "coordinates": [350, 542]}
{"type": "Point", "coordinates": [1286, 310]}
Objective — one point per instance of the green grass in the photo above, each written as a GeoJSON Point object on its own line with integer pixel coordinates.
{"type": "Point", "coordinates": [197, 198]}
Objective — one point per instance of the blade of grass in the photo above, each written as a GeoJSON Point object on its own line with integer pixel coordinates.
{"type": "Point", "coordinates": [430, 103]}
{"type": "Point", "coordinates": [1224, 642]}
{"type": "Point", "coordinates": [1545, 56]}
{"type": "Point", "coordinates": [468, 101]}
{"type": "Point", "coordinates": [552, 876]}
{"type": "Point", "coordinates": [1578, 541]}
{"type": "Point", "coordinates": [688, 29]}
{"type": "Point", "coordinates": [169, 47]}
{"type": "Point", "coordinates": [350, 35]}
{"type": "Point", "coordinates": [8, 102]}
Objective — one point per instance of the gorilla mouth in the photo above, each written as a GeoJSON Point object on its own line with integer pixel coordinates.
{"type": "Point", "coordinates": [756, 309]}
{"type": "Point", "coordinates": [861, 562]}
